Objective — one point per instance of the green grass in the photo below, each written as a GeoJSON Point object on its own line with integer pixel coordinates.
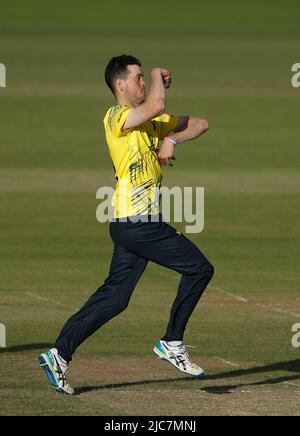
{"type": "Point", "coordinates": [231, 64]}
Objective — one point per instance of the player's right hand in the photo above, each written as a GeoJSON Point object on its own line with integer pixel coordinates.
{"type": "Point", "coordinates": [167, 78]}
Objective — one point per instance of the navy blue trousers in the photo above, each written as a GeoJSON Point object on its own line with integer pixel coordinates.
{"type": "Point", "coordinates": [136, 243]}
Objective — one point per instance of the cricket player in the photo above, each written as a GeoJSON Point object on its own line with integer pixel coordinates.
{"type": "Point", "coordinates": [142, 138]}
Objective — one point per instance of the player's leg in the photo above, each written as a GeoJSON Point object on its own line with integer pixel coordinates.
{"type": "Point", "coordinates": [161, 243]}
{"type": "Point", "coordinates": [109, 300]}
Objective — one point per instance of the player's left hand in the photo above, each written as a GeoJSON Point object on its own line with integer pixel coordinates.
{"type": "Point", "coordinates": [166, 153]}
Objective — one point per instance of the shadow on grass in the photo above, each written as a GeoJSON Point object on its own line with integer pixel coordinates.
{"type": "Point", "coordinates": [26, 347]}
{"type": "Point", "coordinates": [220, 390]}
{"type": "Point", "coordinates": [290, 366]}
{"type": "Point", "coordinates": [86, 389]}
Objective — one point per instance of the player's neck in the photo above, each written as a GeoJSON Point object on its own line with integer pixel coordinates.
{"type": "Point", "coordinates": [122, 100]}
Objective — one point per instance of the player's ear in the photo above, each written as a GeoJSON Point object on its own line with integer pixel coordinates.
{"type": "Point", "coordinates": [120, 86]}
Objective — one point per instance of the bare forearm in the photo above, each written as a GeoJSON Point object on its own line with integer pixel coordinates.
{"type": "Point", "coordinates": [155, 103]}
{"type": "Point", "coordinates": [157, 89]}
{"type": "Point", "coordinates": [192, 128]}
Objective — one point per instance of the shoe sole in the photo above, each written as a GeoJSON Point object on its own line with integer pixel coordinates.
{"type": "Point", "coordinates": [165, 359]}
{"type": "Point", "coordinates": [47, 367]}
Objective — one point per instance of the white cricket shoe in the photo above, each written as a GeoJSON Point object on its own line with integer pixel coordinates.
{"type": "Point", "coordinates": [56, 370]}
{"type": "Point", "coordinates": [178, 357]}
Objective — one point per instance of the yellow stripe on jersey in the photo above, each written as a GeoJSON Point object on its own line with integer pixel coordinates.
{"type": "Point", "coordinates": [134, 155]}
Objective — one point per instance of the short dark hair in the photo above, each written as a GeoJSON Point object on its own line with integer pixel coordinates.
{"type": "Point", "coordinates": [117, 67]}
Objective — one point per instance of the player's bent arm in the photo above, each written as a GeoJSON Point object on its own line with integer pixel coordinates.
{"type": "Point", "coordinates": [143, 113]}
{"type": "Point", "coordinates": [154, 105]}
{"type": "Point", "coordinates": [189, 128]}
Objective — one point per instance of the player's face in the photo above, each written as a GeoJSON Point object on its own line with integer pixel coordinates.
{"type": "Point", "coordinates": [135, 87]}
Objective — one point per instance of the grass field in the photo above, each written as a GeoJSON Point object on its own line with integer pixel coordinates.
{"type": "Point", "coordinates": [231, 64]}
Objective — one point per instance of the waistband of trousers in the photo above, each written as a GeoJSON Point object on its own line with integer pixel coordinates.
{"type": "Point", "coordinates": [139, 218]}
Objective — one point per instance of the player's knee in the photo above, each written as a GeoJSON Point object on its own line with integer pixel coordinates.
{"type": "Point", "coordinates": [120, 306]}
{"type": "Point", "coordinates": [206, 271]}
{"type": "Point", "coordinates": [209, 271]}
